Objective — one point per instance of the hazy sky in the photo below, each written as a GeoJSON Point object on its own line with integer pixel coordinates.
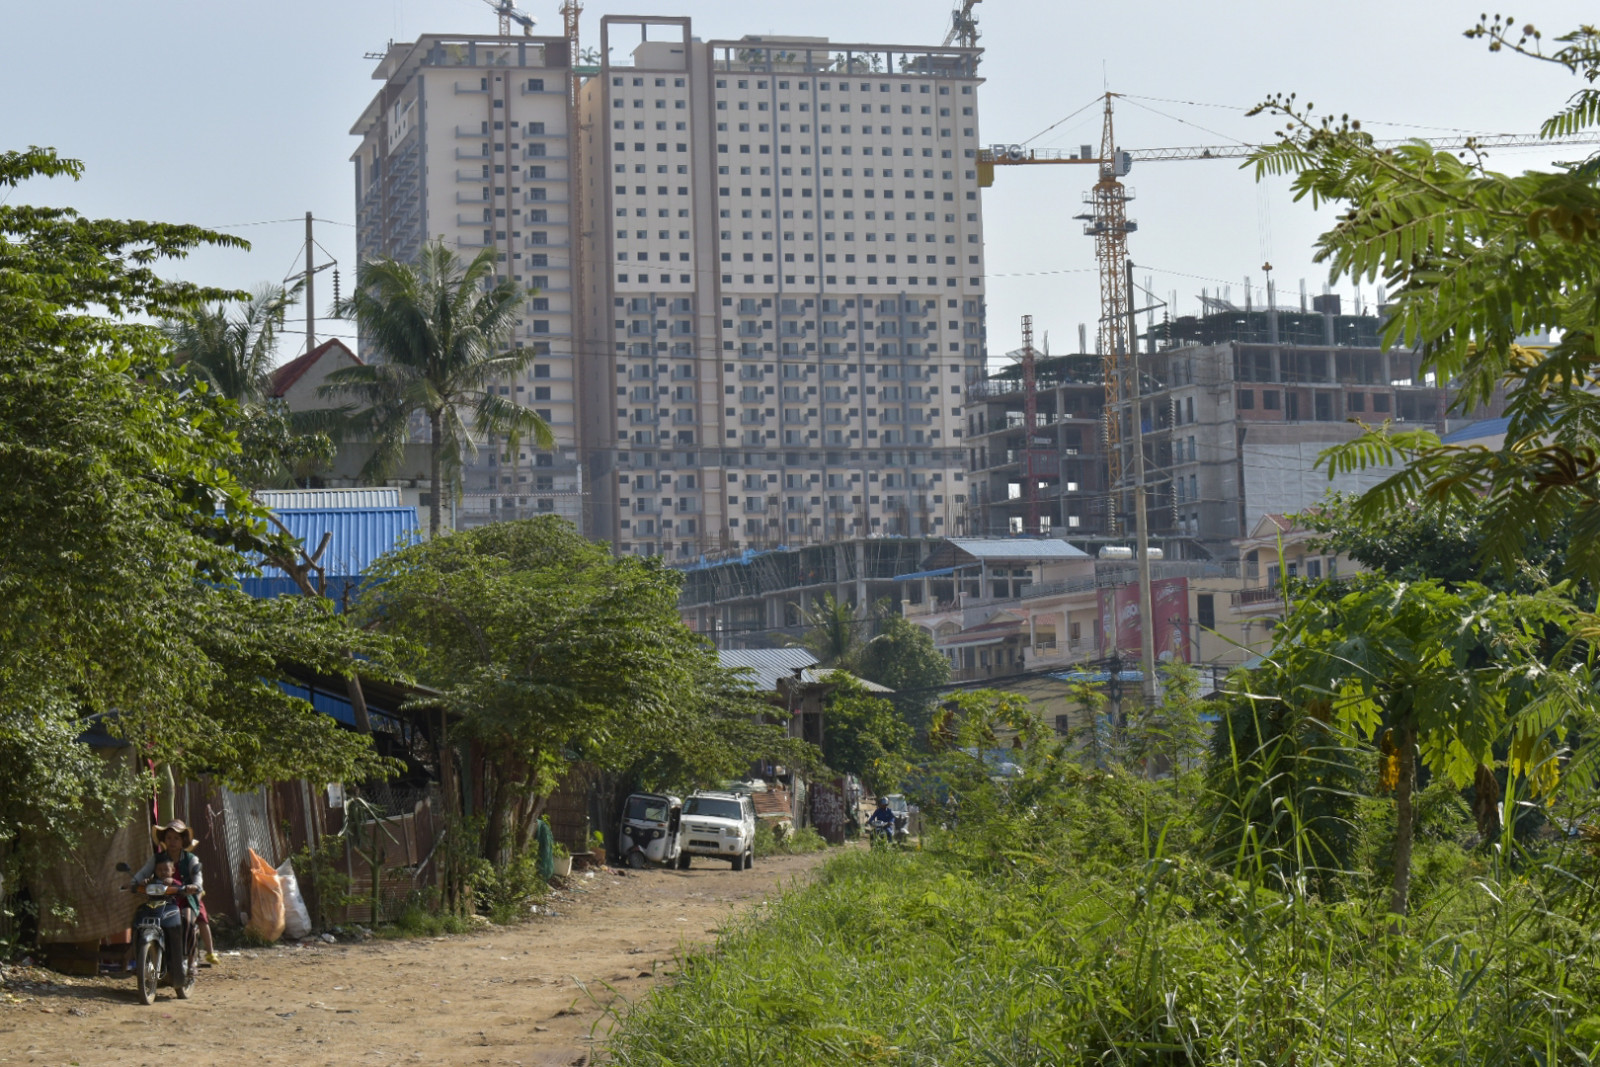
{"type": "Point", "coordinates": [224, 114]}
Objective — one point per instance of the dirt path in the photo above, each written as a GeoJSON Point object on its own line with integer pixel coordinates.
{"type": "Point", "coordinates": [528, 995]}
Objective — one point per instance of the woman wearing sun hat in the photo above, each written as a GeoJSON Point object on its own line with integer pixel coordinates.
{"type": "Point", "coordinates": [176, 841]}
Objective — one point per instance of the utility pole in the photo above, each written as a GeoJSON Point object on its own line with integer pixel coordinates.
{"type": "Point", "coordinates": [311, 299]}
{"type": "Point", "coordinates": [1030, 418]}
{"type": "Point", "coordinates": [1147, 637]}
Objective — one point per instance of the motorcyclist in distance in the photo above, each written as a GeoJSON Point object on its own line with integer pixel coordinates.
{"type": "Point", "coordinates": [882, 819]}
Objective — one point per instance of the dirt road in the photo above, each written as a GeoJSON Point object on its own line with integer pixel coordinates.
{"type": "Point", "coordinates": [535, 994]}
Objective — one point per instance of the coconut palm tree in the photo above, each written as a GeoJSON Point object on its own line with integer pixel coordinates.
{"type": "Point", "coordinates": [441, 333]}
{"type": "Point", "coordinates": [836, 633]}
{"type": "Point", "coordinates": [234, 350]}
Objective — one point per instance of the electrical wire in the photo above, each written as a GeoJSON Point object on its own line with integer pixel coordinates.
{"type": "Point", "coordinates": [1058, 122]}
{"type": "Point", "coordinates": [1186, 122]}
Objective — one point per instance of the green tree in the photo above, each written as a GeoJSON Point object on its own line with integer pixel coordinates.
{"type": "Point", "coordinates": [902, 657]}
{"type": "Point", "coordinates": [715, 731]}
{"type": "Point", "coordinates": [862, 735]}
{"type": "Point", "coordinates": [1282, 786]}
{"type": "Point", "coordinates": [1444, 542]}
{"type": "Point", "coordinates": [836, 632]}
{"type": "Point", "coordinates": [552, 651]}
{"type": "Point", "coordinates": [1172, 735]}
{"type": "Point", "coordinates": [122, 535]}
{"type": "Point", "coordinates": [235, 348]}
{"type": "Point", "coordinates": [442, 331]}
{"type": "Point", "coordinates": [227, 353]}
{"type": "Point", "coordinates": [1474, 259]}
{"type": "Point", "coordinates": [1430, 673]}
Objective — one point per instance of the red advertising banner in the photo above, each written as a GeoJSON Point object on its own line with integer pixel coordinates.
{"type": "Point", "coordinates": [1169, 606]}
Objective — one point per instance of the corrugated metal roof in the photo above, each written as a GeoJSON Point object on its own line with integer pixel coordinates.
{"type": "Point", "coordinates": [1017, 548]}
{"type": "Point", "coordinates": [328, 498]}
{"type": "Point", "coordinates": [357, 537]}
{"type": "Point", "coordinates": [825, 674]}
{"type": "Point", "coordinates": [767, 665]}
{"type": "Point", "coordinates": [936, 573]}
{"type": "Point", "coordinates": [1477, 430]}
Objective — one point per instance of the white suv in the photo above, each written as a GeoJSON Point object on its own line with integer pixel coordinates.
{"type": "Point", "coordinates": [721, 825]}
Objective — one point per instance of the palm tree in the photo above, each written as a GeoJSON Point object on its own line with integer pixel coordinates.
{"type": "Point", "coordinates": [441, 332]}
{"type": "Point", "coordinates": [234, 351]}
{"type": "Point", "coordinates": [834, 632]}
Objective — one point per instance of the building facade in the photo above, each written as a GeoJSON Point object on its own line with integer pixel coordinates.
{"type": "Point", "coordinates": [467, 139]}
{"type": "Point", "coordinates": [783, 287]}
{"type": "Point", "coordinates": [1237, 408]}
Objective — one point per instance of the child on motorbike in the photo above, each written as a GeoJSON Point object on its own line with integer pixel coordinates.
{"type": "Point", "coordinates": [175, 843]}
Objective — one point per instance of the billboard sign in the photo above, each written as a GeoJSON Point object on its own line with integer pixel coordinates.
{"type": "Point", "coordinates": [1169, 606]}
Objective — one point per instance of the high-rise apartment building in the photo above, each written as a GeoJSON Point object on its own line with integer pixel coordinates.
{"type": "Point", "coordinates": [778, 306]}
{"type": "Point", "coordinates": [468, 140]}
{"type": "Point", "coordinates": [783, 289]}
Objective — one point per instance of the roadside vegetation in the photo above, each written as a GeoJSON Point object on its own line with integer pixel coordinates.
{"type": "Point", "coordinates": [1084, 914]}
{"type": "Point", "coordinates": [1379, 846]}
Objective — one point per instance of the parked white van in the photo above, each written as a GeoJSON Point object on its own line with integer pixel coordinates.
{"type": "Point", "coordinates": [719, 824]}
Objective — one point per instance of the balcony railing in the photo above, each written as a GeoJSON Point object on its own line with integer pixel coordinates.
{"type": "Point", "coordinates": [1246, 598]}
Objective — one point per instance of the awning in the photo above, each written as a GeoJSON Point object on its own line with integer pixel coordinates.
{"type": "Point", "coordinates": [1097, 677]}
{"type": "Point", "coordinates": [941, 572]}
{"type": "Point", "coordinates": [987, 634]}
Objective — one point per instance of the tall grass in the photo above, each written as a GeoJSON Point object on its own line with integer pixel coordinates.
{"type": "Point", "coordinates": [1090, 917]}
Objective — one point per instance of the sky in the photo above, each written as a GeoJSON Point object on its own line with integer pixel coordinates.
{"type": "Point", "coordinates": [237, 116]}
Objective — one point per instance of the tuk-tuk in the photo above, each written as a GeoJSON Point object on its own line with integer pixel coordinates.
{"type": "Point", "coordinates": [650, 829]}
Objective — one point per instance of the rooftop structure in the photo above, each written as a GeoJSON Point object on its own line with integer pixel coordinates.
{"type": "Point", "coordinates": [755, 600]}
{"type": "Point", "coordinates": [1236, 408]}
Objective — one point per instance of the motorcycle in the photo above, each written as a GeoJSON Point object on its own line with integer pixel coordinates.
{"type": "Point", "coordinates": [881, 834]}
{"type": "Point", "coordinates": [150, 942]}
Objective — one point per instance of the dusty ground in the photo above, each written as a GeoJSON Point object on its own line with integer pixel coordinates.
{"type": "Point", "coordinates": [535, 994]}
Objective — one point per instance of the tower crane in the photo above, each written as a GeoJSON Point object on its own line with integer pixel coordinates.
{"type": "Point", "coordinates": [1106, 220]}
{"type": "Point", "coordinates": [963, 26]}
{"type": "Point", "coordinates": [509, 13]}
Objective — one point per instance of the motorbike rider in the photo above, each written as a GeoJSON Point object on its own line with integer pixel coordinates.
{"type": "Point", "coordinates": [882, 818]}
{"type": "Point", "coordinates": [175, 841]}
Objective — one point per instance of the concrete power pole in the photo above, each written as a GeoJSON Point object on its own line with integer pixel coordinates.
{"type": "Point", "coordinates": [311, 300]}
{"type": "Point", "coordinates": [1147, 636]}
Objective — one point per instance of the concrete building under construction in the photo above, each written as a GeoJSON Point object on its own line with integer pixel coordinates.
{"type": "Point", "coordinates": [1237, 406]}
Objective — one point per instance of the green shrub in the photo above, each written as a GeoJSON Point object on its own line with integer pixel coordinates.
{"type": "Point", "coordinates": [504, 893]}
{"type": "Point", "coordinates": [1077, 915]}
{"type": "Point", "coordinates": [780, 840]}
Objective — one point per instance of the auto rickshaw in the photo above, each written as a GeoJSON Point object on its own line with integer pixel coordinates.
{"type": "Point", "coordinates": [650, 829]}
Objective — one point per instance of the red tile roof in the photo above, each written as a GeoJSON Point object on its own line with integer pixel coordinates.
{"type": "Point", "coordinates": [284, 377]}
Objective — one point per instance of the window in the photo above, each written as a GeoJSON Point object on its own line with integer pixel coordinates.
{"type": "Point", "coordinates": [1269, 399]}
{"type": "Point", "coordinates": [1356, 402]}
{"type": "Point", "coordinates": [1206, 611]}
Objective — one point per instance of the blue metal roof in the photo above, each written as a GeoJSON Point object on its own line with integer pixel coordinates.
{"type": "Point", "coordinates": [1094, 677]}
{"type": "Point", "coordinates": [1474, 431]}
{"type": "Point", "coordinates": [744, 557]}
{"type": "Point", "coordinates": [357, 537]}
{"type": "Point", "coordinates": [940, 572]}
